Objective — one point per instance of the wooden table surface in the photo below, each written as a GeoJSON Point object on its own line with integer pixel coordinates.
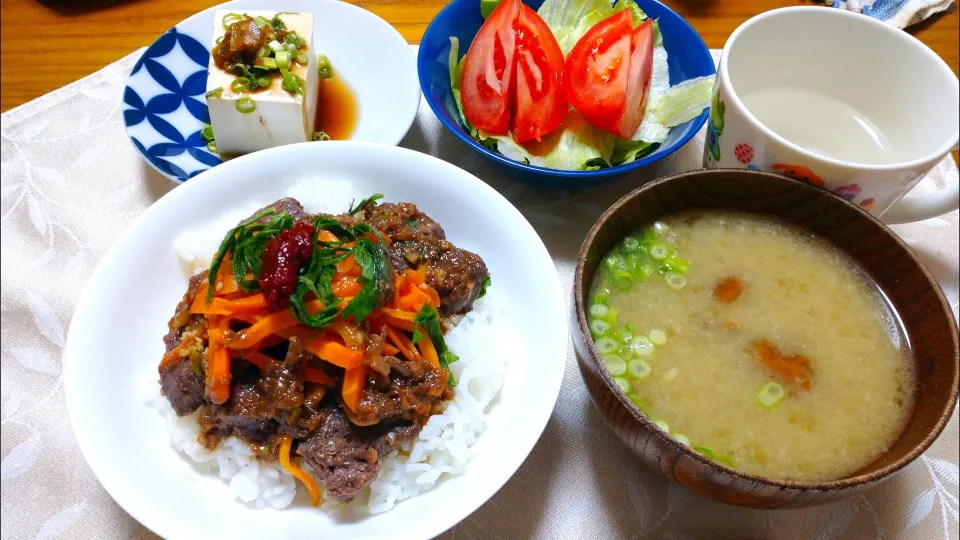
{"type": "Point", "coordinates": [49, 43]}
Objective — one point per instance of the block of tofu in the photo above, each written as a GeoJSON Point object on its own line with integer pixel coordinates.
{"type": "Point", "coordinates": [280, 117]}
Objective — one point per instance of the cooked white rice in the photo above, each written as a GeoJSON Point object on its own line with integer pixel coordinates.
{"type": "Point", "coordinates": [444, 445]}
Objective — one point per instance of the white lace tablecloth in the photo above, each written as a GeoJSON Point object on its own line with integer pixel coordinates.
{"type": "Point", "coordinates": [71, 182]}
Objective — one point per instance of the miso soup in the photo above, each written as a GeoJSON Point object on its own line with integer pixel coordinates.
{"type": "Point", "coordinates": [754, 343]}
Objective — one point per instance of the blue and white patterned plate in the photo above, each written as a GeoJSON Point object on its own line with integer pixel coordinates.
{"type": "Point", "coordinates": [165, 108]}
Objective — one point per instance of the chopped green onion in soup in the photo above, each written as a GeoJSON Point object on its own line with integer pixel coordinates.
{"type": "Point", "coordinates": [659, 251]}
{"type": "Point", "coordinates": [770, 394]}
{"type": "Point", "coordinates": [642, 346]}
{"type": "Point", "coordinates": [606, 345]}
{"type": "Point", "coordinates": [676, 281]}
{"type": "Point", "coordinates": [614, 364]}
{"type": "Point", "coordinates": [658, 337]}
{"type": "Point", "coordinates": [599, 328]}
{"type": "Point", "coordinates": [640, 369]}
{"type": "Point", "coordinates": [599, 311]}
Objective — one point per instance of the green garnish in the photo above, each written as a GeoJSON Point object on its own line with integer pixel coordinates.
{"type": "Point", "coordinates": [277, 23]}
{"type": "Point", "coordinates": [363, 202]}
{"type": "Point", "coordinates": [770, 394]}
{"type": "Point", "coordinates": [231, 18]}
{"type": "Point", "coordinates": [295, 40]}
{"type": "Point", "coordinates": [320, 136]}
{"type": "Point", "coordinates": [483, 286]}
{"type": "Point", "coordinates": [429, 320]}
{"type": "Point", "coordinates": [261, 21]}
{"type": "Point", "coordinates": [247, 241]}
{"type": "Point", "coordinates": [206, 134]}
{"type": "Point", "coordinates": [324, 67]}
{"type": "Point", "coordinates": [294, 83]}
{"type": "Point", "coordinates": [318, 276]}
{"type": "Point", "coordinates": [710, 454]}
{"type": "Point", "coordinates": [240, 84]}
{"type": "Point", "coordinates": [375, 270]}
{"type": "Point", "coordinates": [245, 105]}
{"type": "Point", "coordinates": [195, 365]}
{"type": "Point", "coordinates": [216, 92]}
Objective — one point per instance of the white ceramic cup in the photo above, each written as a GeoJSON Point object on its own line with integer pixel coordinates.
{"type": "Point", "coordinates": [896, 81]}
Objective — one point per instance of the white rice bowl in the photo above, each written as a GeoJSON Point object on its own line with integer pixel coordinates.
{"type": "Point", "coordinates": [442, 449]}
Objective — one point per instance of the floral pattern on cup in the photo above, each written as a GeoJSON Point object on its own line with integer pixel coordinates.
{"type": "Point", "coordinates": [867, 204]}
{"type": "Point", "coordinates": [715, 126]}
{"type": "Point", "coordinates": [798, 172]}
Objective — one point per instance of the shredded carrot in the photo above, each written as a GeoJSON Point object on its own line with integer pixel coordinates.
{"type": "Point", "coordinates": [389, 349]}
{"type": "Point", "coordinates": [173, 354]}
{"type": "Point", "coordinates": [353, 382]}
{"type": "Point", "coordinates": [428, 350]}
{"type": "Point", "coordinates": [434, 300]}
{"type": "Point", "coordinates": [315, 375]}
{"type": "Point", "coordinates": [286, 444]}
{"type": "Point", "coordinates": [350, 334]}
{"type": "Point", "coordinates": [398, 314]}
{"type": "Point", "coordinates": [416, 277]}
{"type": "Point", "coordinates": [349, 267]}
{"type": "Point", "coordinates": [728, 290]}
{"type": "Point", "coordinates": [331, 351]}
{"type": "Point", "coordinates": [414, 300]}
{"type": "Point", "coordinates": [401, 323]}
{"type": "Point", "coordinates": [218, 363]}
{"type": "Point", "coordinates": [221, 306]}
{"type": "Point", "coordinates": [271, 324]}
{"type": "Point", "coordinates": [345, 286]}
{"type": "Point", "coordinates": [326, 236]}
{"type": "Point", "coordinates": [403, 343]}
{"type": "Point", "coordinates": [397, 285]}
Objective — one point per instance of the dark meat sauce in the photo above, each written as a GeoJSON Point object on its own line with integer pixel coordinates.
{"type": "Point", "coordinates": [342, 447]}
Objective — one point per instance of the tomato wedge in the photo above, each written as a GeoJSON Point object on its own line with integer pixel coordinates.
{"type": "Point", "coordinates": [607, 73]}
{"type": "Point", "coordinates": [540, 103]}
{"type": "Point", "coordinates": [487, 81]}
{"type": "Point", "coordinates": [641, 69]}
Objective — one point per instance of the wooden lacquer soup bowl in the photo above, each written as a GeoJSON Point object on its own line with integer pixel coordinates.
{"type": "Point", "coordinates": [912, 291]}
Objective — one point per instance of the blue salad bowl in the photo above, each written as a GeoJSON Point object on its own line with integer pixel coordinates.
{"type": "Point", "coordinates": [688, 58]}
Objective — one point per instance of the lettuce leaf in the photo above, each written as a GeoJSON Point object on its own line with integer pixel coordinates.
{"type": "Point", "coordinates": [569, 20]}
{"type": "Point", "coordinates": [629, 151]}
{"type": "Point", "coordinates": [568, 148]}
{"type": "Point", "coordinates": [487, 7]}
{"type": "Point", "coordinates": [649, 130]}
{"type": "Point", "coordinates": [682, 102]}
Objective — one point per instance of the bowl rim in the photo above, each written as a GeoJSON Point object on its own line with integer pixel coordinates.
{"type": "Point", "coordinates": [458, 131]}
{"type": "Point", "coordinates": [581, 326]}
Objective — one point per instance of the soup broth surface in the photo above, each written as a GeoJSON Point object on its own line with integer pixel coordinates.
{"type": "Point", "coordinates": [776, 355]}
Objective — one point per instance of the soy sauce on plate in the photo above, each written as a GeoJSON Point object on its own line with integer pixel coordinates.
{"type": "Point", "coordinates": [337, 111]}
